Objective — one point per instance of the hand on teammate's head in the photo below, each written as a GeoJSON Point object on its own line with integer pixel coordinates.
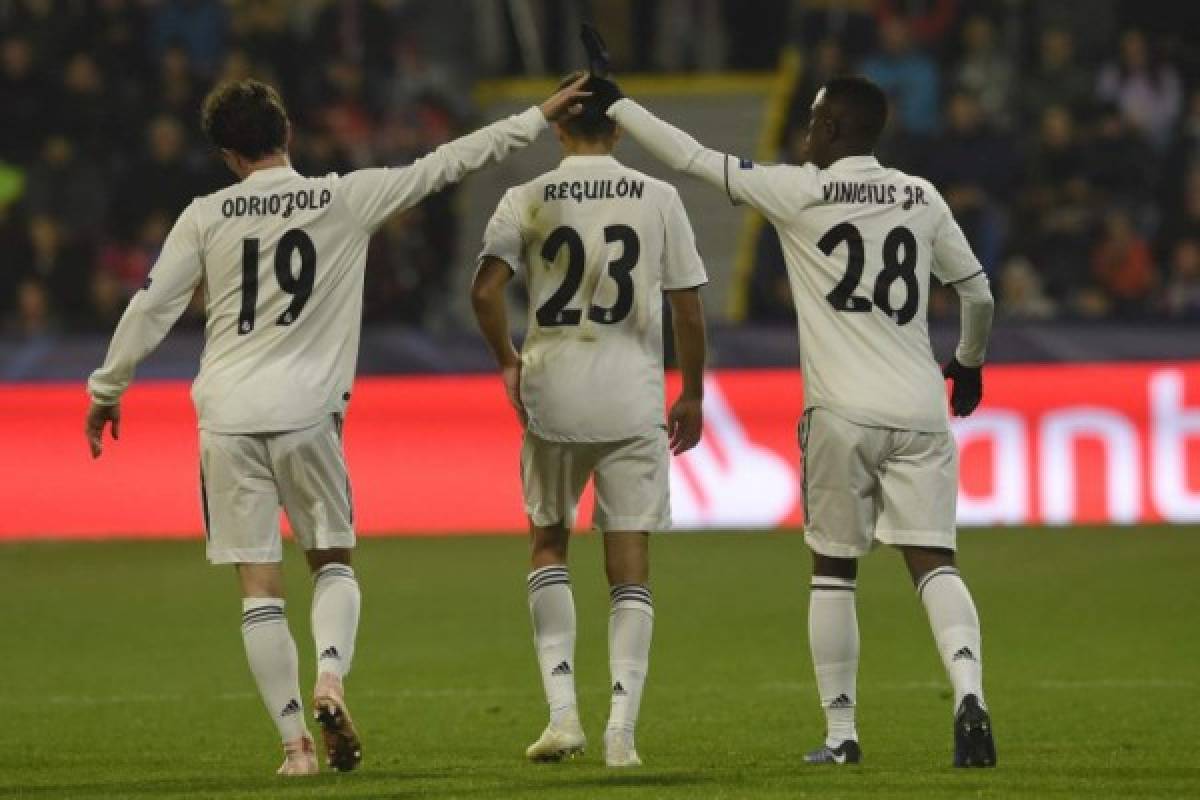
{"type": "Point", "coordinates": [605, 92]}
{"type": "Point", "coordinates": [567, 101]}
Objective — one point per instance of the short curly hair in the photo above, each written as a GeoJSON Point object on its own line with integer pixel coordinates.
{"type": "Point", "coordinates": [246, 117]}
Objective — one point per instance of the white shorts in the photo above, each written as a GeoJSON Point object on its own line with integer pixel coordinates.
{"type": "Point", "coordinates": [864, 485]}
{"type": "Point", "coordinates": [246, 478]}
{"type": "Point", "coordinates": [632, 477]}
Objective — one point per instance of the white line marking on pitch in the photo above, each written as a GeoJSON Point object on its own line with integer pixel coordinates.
{"type": "Point", "coordinates": [469, 691]}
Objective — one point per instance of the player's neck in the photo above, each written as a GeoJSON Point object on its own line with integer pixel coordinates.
{"type": "Point", "coordinates": [269, 162]}
{"type": "Point", "coordinates": [587, 149]}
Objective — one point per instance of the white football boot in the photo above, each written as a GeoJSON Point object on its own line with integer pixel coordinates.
{"type": "Point", "coordinates": [619, 750]}
{"type": "Point", "coordinates": [343, 750]}
{"type": "Point", "coordinates": [299, 757]}
{"type": "Point", "coordinates": [561, 740]}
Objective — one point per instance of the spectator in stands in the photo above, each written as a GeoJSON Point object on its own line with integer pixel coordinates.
{"type": "Point", "coordinates": [198, 27]}
{"type": "Point", "coordinates": [1058, 79]}
{"type": "Point", "coordinates": [910, 78]}
{"type": "Point", "coordinates": [178, 92]}
{"type": "Point", "coordinates": [1021, 295]}
{"type": "Point", "coordinates": [22, 97]}
{"type": "Point", "coordinates": [1122, 266]}
{"type": "Point", "coordinates": [33, 316]}
{"type": "Point", "coordinates": [1120, 165]}
{"type": "Point", "coordinates": [62, 266]}
{"type": "Point", "coordinates": [1183, 219]}
{"type": "Point", "coordinates": [1147, 90]}
{"type": "Point", "coordinates": [1183, 286]}
{"type": "Point", "coordinates": [1055, 207]}
{"type": "Point", "coordinates": [165, 177]}
{"type": "Point", "coordinates": [973, 167]}
{"type": "Point", "coordinates": [88, 112]}
{"type": "Point", "coordinates": [851, 24]}
{"type": "Point", "coordinates": [929, 21]}
{"type": "Point", "coordinates": [67, 187]}
{"type": "Point", "coordinates": [986, 71]}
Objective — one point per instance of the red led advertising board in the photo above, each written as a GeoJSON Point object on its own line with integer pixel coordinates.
{"type": "Point", "coordinates": [1053, 444]}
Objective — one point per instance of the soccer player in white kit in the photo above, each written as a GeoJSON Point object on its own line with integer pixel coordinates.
{"type": "Point", "coordinates": [280, 260]}
{"type": "Point", "coordinates": [599, 244]}
{"type": "Point", "coordinates": [880, 465]}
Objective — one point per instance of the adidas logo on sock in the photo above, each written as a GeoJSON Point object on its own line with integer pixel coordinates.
{"type": "Point", "coordinates": [562, 669]}
{"type": "Point", "coordinates": [330, 652]}
{"type": "Point", "coordinates": [293, 707]}
{"type": "Point", "coordinates": [618, 690]}
{"type": "Point", "coordinates": [842, 701]}
{"type": "Point", "coordinates": [963, 652]}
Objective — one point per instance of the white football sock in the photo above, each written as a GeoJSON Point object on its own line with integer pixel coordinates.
{"type": "Point", "coordinates": [833, 639]}
{"type": "Point", "coordinates": [955, 627]}
{"type": "Point", "coordinates": [336, 602]}
{"type": "Point", "coordinates": [272, 656]}
{"type": "Point", "coordinates": [630, 628]}
{"type": "Point", "coordinates": [552, 609]}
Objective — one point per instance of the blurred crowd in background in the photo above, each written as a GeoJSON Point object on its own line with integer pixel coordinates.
{"type": "Point", "coordinates": [1065, 135]}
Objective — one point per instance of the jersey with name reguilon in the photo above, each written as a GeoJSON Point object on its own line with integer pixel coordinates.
{"type": "Point", "coordinates": [597, 243]}
{"type": "Point", "coordinates": [860, 242]}
{"type": "Point", "coordinates": [280, 258]}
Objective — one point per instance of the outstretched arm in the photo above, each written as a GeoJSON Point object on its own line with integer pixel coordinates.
{"type": "Point", "coordinates": [776, 190]}
{"type": "Point", "coordinates": [150, 314]}
{"type": "Point", "coordinates": [375, 194]}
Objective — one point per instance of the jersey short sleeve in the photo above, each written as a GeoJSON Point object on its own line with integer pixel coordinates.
{"type": "Point", "coordinates": [502, 238]}
{"type": "Point", "coordinates": [953, 260]}
{"type": "Point", "coordinates": [778, 190]}
{"type": "Point", "coordinates": [682, 265]}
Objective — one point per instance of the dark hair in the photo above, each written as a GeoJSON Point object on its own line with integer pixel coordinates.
{"type": "Point", "coordinates": [246, 117]}
{"type": "Point", "coordinates": [591, 124]}
{"type": "Point", "coordinates": [862, 106]}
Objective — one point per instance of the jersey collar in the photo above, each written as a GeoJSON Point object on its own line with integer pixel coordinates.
{"type": "Point", "coordinates": [855, 164]}
{"type": "Point", "coordinates": [590, 161]}
{"type": "Point", "coordinates": [269, 174]}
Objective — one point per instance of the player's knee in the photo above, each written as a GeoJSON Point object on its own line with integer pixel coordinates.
{"type": "Point", "coordinates": [260, 580]}
{"type": "Point", "coordinates": [922, 560]}
{"type": "Point", "coordinates": [333, 555]}
{"type": "Point", "coordinates": [830, 567]}
{"type": "Point", "coordinates": [548, 545]}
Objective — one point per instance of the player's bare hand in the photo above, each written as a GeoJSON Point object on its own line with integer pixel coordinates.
{"type": "Point", "coordinates": [512, 387]}
{"type": "Point", "coordinates": [566, 101]}
{"type": "Point", "coordinates": [685, 424]}
{"type": "Point", "coordinates": [97, 417]}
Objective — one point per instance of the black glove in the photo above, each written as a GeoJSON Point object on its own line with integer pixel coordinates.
{"type": "Point", "coordinates": [967, 389]}
{"type": "Point", "coordinates": [604, 91]}
{"type": "Point", "coordinates": [597, 51]}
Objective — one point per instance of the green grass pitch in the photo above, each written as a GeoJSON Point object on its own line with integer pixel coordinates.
{"type": "Point", "coordinates": [123, 675]}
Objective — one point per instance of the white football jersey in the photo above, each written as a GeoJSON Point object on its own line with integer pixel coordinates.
{"type": "Point", "coordinates": [280, 258]}
{"type": "Point", "coordinates": [860, 242]}
{"type": "Point", "coordinates": [598, 243]}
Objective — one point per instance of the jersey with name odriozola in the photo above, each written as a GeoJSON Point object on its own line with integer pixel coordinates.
{"type": "Point", "coordinates": [597, 243]}
{"type": "Point", "coordinates": [280, 258]}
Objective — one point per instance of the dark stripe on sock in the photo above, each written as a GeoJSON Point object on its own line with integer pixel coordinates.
{"type": "Point", "coordinates": [933, 573]}
{"type": "Point", "coordinates": [547, 576]}
{"type": "Point", "coordinates": [338, 571]}
{"type": "Point", "coordinates": [823, 587]}
{"type": "Point", "coordinates": [548, 583]}
{"type": "Point", "coordinates": [630, 592]}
